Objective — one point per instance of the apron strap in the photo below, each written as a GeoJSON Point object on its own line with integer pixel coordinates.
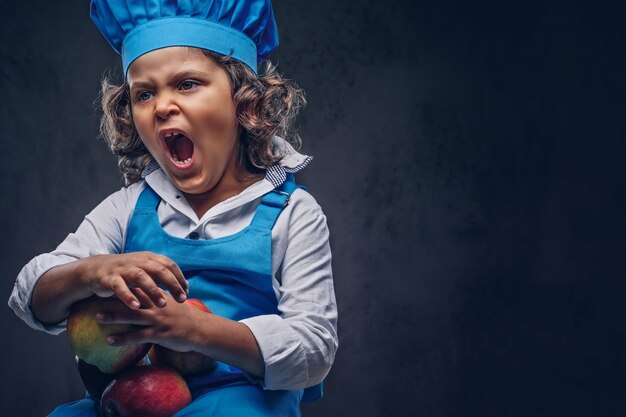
{"type": "Point", "coordinates": [273, 203]}
{"type": "Point", "coordinates": [148, 200]}
{"type": "Point", "coordinates": [144, 208]}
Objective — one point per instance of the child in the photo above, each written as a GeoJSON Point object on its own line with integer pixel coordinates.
{"type": "Point", "coordinates": [210, 211]}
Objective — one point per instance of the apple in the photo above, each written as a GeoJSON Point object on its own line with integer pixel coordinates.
{"type": "Point", "coordinates": [87, 337]}
{"type": "Point", "coordinates": [145, 391]}
{"type": "Point", "coordinates": [187, 363]}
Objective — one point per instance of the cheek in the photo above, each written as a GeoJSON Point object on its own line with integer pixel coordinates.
{"type": "Point", "coordinates": [143, 128]}
{"type": "Point", "coordinates": [219, 122]}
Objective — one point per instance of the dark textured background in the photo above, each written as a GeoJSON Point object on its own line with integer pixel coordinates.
{"type": "Point", "coordinates": [470, 160]}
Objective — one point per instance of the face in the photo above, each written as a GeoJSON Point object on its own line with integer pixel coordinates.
{"type": "Point", "coordinates": [183, 110]}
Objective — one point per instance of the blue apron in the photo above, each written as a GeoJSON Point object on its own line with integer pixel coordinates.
{"type": "Point", "coordinates": [232, 275]}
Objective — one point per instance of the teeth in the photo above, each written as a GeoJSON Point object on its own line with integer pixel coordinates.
{"type": "Point", "coordinates": [182, 162]}
{"type": "Point", "coordinates": [170, 134]}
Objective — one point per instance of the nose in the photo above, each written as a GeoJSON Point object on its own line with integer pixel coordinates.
{"type": "Point", "coordinates": [165, 106]}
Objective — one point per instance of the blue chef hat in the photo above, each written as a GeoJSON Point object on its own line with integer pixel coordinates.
{"type": "Point", "coordinates": [243, 29]}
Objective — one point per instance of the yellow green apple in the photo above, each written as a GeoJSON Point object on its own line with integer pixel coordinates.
{"type": "Point", "coordinates": [87, 336]}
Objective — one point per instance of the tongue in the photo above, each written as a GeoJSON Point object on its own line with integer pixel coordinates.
{"type": "Point", "coordinates": [183, 148]}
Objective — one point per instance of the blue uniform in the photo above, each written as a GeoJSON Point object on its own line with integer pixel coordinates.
{"type": "Point", "coordinates": [232, 275]}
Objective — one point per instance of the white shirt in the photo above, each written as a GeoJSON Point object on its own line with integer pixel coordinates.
{"type": "Point", "coordinates": [298, 346]}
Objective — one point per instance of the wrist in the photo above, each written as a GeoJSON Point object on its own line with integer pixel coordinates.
{"type": "Point", "coordinates": [202, 332]}
{"type": "Point", "coordinates": [81, 273]}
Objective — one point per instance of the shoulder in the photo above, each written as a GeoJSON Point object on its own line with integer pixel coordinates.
{"type": "Point", "coordinates": [302, 217]}
{"type": "Point", "coordinates": [302, 202]}
{"type": "Point", "coordinates": [302, 235]}
{"type": "Point", "coordinates": [119, 203]}
{"type": "Point", "coordinates": [128, 193]}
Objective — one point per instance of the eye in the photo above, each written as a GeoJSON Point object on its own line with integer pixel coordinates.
{"type": "Point", "coordinates": [143, 95]}
{"type": "Point", "coordinates": [188, 85]}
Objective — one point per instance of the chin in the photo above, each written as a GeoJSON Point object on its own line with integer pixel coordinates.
{"type": "Point", "coordinates": [192, 185]}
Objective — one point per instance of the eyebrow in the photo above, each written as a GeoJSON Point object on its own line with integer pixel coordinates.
{"type": "Point", "coordinates": [177, 76]}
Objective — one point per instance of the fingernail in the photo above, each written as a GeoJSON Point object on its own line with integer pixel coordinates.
{"type": "Point", "coordinates": [134, 304]}
{"type": "Point", "coordinates": [110, 340]}
{"type": "Point", "coordinates": [182, 297]}
{"type": "Point", "coordinates": [161, 302]}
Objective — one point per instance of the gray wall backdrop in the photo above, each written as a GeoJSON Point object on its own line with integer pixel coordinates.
{"type": "Point", "coordinates": [469, 157]}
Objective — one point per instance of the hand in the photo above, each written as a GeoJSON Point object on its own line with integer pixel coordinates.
{"type": "Point", "coordinates": [184, 328]}
{"type": "Point", "coordinates": [171, 326]}
{"type": "Point", "coordinates": [109, 275]}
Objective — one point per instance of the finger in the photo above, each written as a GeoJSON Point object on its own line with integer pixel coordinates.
{"type": "Point", "coordinates": [171, 277]}
{"type": "Point", "coordinates": [142, 335]}
{"type": "Point", "coordinates": [141, 279]}
{"type": "Point", "coordinates": [164, 270]}
{"type": "Point", "coordinates": [173, 268]}
{"type": "Point", "coordinates": [178, 273]}
{"type": "Point", "coordinates": [143, 298]}
{"type": "Point", "coordinates": [123, 317]}
{"type": "Point", "coordinates": [121, 290]}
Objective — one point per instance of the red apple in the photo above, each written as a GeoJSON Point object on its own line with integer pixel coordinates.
{"type": "Point", "coordinates": [187, 363]}
{"type": "Point", "coordinates": [145, 391]}
{"type": "Point", "coordinates": [87, 337]}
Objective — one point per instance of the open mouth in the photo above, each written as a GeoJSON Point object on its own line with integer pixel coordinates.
{"type": "Point", "coordinates": [180, 147]}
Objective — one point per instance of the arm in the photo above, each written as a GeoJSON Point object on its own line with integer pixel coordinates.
{"type": "Point", "coordinates": [105, 276]}
{"type": "Point", "coordinates": [56, 290]}
{"type": "Point", "coordinates": [183, 328]}
{"type": "Point", "coordinates": [88, 262]}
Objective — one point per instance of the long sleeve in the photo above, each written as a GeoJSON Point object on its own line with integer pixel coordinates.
{"type": "Point", "coordinates": [101, 232]}
{"type": "Point", "coordinates": [299, 346]}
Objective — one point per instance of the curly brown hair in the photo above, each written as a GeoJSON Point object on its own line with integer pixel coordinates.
{"type": "Point", "coordinates": [266, 105]}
